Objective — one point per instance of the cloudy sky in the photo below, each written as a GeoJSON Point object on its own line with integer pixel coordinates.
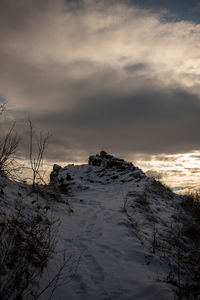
{"type": "Point", "coordinates": [123, 76]}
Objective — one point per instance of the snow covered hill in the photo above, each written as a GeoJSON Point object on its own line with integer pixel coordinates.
{"type": "Point", "coordinates": [124, 235]}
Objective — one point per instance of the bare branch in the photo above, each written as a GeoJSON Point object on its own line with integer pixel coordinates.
{"type": "Point", "coordinates": [37, 160]}
{"type": "Point", "coordinates": [2, 108]}
{"type": "Point", "coordinates": [8, 147]}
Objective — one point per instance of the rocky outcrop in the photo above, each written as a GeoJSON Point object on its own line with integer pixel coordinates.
{"type": "Point", "coordinates": [109, 161]}
{"type": "Point", "coordinates": [54, 173]}
{"type": "Point", "coordinates": [101, 169]}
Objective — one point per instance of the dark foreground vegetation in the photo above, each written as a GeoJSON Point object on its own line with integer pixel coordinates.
{"type": "Point", "coordinates": [28, 232]}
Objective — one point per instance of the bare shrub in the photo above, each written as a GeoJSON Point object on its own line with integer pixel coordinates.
{"type": "Point", "coordinates": [181, 254]}
{"type": "Point", "coordinates": [183, 261]}
{"type": "Point", "coordinates": [191, 204]}
{"type": "Point", "coordinates": [8, 147]}
{"type": "Point", "coordinates": [9, 141]}
{"type": "Point", "coordinates": [27, 244]}
{"type": "Point", "coordinates": [2, 108]}
{"type": "Point", "coordinates": [36, 160]}
{"type": "Point", "coordinates": [175, 244]}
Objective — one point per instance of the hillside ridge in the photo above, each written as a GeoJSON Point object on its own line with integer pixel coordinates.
{"type": "Point", "coordinates": [131, 236]}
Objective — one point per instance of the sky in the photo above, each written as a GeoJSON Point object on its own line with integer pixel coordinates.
{"type": "Point", "coordinates": [123, 76]}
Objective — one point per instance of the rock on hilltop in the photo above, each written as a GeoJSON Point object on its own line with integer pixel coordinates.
{"type": "Point", "coordinates": [101, 169]}
{"type": "Point", "coordinates": [109, 161]}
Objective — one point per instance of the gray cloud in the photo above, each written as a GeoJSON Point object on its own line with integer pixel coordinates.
{"type": "Point", "coordinates": [155, 174]}
{"type": "Point", "coordinates": [144, 122]}
{"type": "Point", "coordinates": [135, 67]}
{"type": "Point", "coordinates": [100, 75]}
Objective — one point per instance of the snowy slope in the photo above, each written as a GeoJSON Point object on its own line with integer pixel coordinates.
{"type": "Point", "coordinates": [120, 230]}
{"type": "Point", "coordinates": [119, 216]}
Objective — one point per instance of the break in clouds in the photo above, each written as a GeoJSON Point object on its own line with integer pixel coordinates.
{"type": "Point", "coordinates": [101, 75]}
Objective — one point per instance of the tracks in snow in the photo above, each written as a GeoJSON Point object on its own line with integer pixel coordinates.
{"type": "Point", "coordinates": [112, 265]}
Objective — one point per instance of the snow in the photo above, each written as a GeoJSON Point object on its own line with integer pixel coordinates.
{"type": "Point", "coordinates": [113, 262]}
{"type": "Point", "coordinates": [117, 212]}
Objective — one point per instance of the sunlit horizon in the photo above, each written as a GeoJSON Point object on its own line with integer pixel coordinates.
{"type": "Point", "coordinates": [180, 172]}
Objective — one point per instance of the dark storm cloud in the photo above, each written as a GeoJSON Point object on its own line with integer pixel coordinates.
{"type": "Point", "coordinates": [145, 122]}
{"type": "Point", "coordinates": [100, 75]}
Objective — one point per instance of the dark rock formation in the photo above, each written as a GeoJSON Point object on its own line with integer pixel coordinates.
{"type": "Point", "coordinates": [109, 161]}
{"type": "Point", "coordinates": [54, 173]}
{"type": "Point", "coordinates": [102, 168]}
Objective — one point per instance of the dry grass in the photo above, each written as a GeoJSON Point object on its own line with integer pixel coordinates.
{"type": "Point", "coordinates": [191, 204]}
